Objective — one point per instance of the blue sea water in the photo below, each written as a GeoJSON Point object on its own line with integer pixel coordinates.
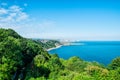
{"type": "Point", "coordinates": [100, 51]}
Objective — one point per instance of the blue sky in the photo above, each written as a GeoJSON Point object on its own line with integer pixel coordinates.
{"type": "Point", "coordinates": [62, 19]}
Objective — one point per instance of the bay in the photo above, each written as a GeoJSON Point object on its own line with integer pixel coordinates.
{"type": "Point", "coordinates": [100, 51]}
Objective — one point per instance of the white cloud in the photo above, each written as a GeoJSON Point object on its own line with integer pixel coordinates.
{"type": "Point", "coordinates": [22, 16]}
{"type": "Point", "coordinates": [12, 14]}
{"type": "Point", "coordinates": [16, 18]}
{"type": "Point", "coordinates": [12, 17]}
{"type": "Point", "coordinates": [15, 8]}
{"type": "Point", "coordinates": [3, 11]}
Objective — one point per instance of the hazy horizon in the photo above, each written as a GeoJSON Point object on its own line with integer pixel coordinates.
{"type": "Point", "coordinates": [92, 20]}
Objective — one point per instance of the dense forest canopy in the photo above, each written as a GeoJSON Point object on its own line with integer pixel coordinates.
{"type": "Point", "coordinates": [25, 59]}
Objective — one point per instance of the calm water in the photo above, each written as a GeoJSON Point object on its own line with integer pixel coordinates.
{"type": "Point", "coordinates": [102, 52]}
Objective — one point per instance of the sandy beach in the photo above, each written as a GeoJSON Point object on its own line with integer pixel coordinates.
{"type": "Point", "coordinates": [54, 47]}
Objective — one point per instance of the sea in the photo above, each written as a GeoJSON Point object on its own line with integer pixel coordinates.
{"type": "Point", "coordinates": [99, 51]}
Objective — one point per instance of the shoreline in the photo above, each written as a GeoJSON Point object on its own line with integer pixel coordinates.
{"type": "Point", "coordinates": [54, 48]}
{"type": "Point", "coordinates": [67, 44]}
{"type": "Point", "coordinates": [63, 44]}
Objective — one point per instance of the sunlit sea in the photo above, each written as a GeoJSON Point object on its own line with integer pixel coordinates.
{"type": "Point", "coordinates": [99, 51]}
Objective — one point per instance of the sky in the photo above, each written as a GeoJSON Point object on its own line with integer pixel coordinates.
{"type": "Point", "coordinates": [62, 19]}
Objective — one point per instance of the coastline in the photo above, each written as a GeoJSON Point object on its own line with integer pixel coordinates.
{"type": "Point", "coordinates": [64, 44]}
{"type": "Point", "coordinates": [54, 47]}
{"type": "Point", "coordinates": [58, 46]}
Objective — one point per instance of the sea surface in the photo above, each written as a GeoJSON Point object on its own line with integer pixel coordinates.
{"type": "Point", "coordinates": [100, 51]}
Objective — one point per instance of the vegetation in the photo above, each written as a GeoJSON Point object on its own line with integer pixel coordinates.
{"type": "Point", "coordinates": [25, 59]}
{"type": "Point", "coordinates": [46, 44]}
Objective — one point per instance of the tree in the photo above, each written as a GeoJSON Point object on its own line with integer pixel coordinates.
{"type": "Point", "coordinates": [115, 63]}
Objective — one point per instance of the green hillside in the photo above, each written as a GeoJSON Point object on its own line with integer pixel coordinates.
{"type": "Point", "coordinates": [25, 59]}
{"type": "Point", "coordinates": [47, 44]}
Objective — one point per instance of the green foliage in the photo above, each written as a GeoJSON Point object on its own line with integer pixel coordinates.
{"type": "Point", "coordinates": [114, 74]}
{"type": "Point", "coordinates": [16, 53]}
{"type": "Point", "coordinates": [4, 33]}
{"type": "Point", "coordinates": [38, 78]}
{"type": "Point", "coordinates": [75, 64]}
{"type": "Point", "coordinates": [115, 63]}
{"type": "Point", "coordinates": [10, 56]}
{"type": "Point", "coordinates": [54, 63]}
{"type": "Point", "coordinates": [25, 59]}
{"type": "Point", "coordinates": [46, 44]}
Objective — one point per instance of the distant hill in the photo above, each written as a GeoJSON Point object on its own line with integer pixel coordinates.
{"type": "Point", "coordinates": [47, 44]}
{"type": "Point", "coordinates": [26, 59]}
